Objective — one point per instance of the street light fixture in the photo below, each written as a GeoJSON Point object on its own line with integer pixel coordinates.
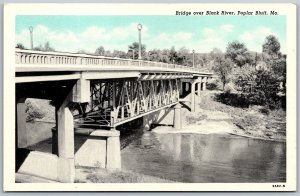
{"type": "Point", "coordinates": [193, 58]}
{"type": "Point", "coordinates": [31, 37]}
{"type": "Point", "coordinates": [139, 27]}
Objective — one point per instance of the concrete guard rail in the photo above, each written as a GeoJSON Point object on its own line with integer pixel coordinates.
{"type": "Point", "coordinates": [63, 58]}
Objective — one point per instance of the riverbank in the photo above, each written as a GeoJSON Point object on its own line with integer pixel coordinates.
{"type": "Point", "coordinates": [213, 117]}
{"type": "Point", "coordinates": [249, 122]}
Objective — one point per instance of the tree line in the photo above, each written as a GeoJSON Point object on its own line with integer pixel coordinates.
{"type": "Point", "coordinates": [260, 78]}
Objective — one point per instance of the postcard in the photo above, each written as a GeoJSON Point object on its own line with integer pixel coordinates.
{"type": "Point", "coordinates": [149, 97]}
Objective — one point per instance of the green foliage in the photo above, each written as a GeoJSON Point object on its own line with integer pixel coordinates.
{"type": "Point", "coordinates": [46, 47]}
{"type": "Point", "coordinates": [100, 51]}
{"type": "Point", "coordinates": [238, 53]}
{"type": "Point", "coordinates": [271, 46]}
{"type": "Point", "coordinates": [261, 87]}
{"type": "Point", "coordinates": [236, 100]}
{"type": "Point", "coordinates": [33, 111]}
{"type": "Point", "coordinates": [211, 86]}
{"type": "Point", "coordinates": [223, 68]}
{"type": "Point", "coordinates": [135, 48]}
{"type": "Point", "coordinates": [119, 54]}
{"type": "Point", "coordinates": [20, 46]}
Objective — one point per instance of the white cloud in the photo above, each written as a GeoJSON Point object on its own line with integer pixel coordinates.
{"type": "Point", "coordinates": [254, 39]}
{"type": "Point", "coordinates": [89, 39]}
{"type": "Point", "coordinates": [227, 27]}
{"type": "Point", "coordinates": [183, 36]}
{"type": "Point", "coordinates": [208, 31]}
{"type": "Point", "coordinates": [247, 36]}
{"type": "Point", "coordinates": [120, 37]}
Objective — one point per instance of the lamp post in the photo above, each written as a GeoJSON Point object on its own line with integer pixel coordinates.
{"type": "Point", "coordinates": [139, 27]}
{"type": "Point", "coordinates": [31, 38]}
{"type": "Point", "coordinates": [193, 58]}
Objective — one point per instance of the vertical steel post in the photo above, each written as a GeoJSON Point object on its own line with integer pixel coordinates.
{"type": "Point", "coordinates": [31, 37]}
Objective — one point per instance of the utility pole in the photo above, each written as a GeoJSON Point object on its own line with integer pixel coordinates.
{"type": "Point", "coordinates": [193, 58]}
{"type": "Point", "coordinates": [139, 26]}
{"type": "Point", "coordinates": [31, 37]}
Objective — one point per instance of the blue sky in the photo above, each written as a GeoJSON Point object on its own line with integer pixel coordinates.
{"type": "Point", "coordinates": [201, 33]}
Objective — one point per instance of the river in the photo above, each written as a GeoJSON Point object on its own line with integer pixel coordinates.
{"type": "Point", "coordinates": [206, 158]}
{"type": "Point", "coordinates": [191, 157]}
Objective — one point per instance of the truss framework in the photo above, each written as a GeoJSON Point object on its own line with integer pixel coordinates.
{"type": "Point", "coordinates": [114, 102]}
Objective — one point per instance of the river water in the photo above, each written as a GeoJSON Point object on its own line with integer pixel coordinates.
{"type": "Point", "coordinates": [191, 157]}
{"type": "Point", "coordinates": [206, 158]}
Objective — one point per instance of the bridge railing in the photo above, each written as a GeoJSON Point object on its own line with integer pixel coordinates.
{"type": "Point", "coordinates": [63, 58]}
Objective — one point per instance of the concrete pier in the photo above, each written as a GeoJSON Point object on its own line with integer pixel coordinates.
{"type": "Point", "coordinates": [113, 152]}
{"type": "Point", "coordinates": [193, 104]}
{"type": "Point", "coordinates": [100, 148]}
{"type": "Point", "coordinates": [65, 133]}
{"type": "Point", "coordinates": [21, 124]}
{"type": "Point", "coordinates": [177, 117]}
{"type": "Point", "coordinates": [199, 88]}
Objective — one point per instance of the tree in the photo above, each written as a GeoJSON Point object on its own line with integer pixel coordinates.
{"type": "Point", "coordinates": [237, 52]}
{"type": "Point", "coordinates": [271, 46]}
{"type": "Point", "coordinates": [216, 53]}
{"type": "Point", "coordinates": [108, 53]}
{"type": "Point", "coordinates": [173, 55]}
{"type": "Point", "coordinates": [100, 51]}
{"type": "Point", "coordinates": [119, 54]}
{"type": "Point", "coordinates": [135, 47]}
{"type": "Point", "coordinates": [154, 55]}
{"type": "Point", "coordinates": [38, 48]}
{"type": "Point", "coordinates": [165, 56]}
{"type": "Point", "coordinates": [82, 51]}
{"type": "Point", "coordinates": [260, 87]}
{"type": "Point", "coordinates": [223, 69]}
{"type": "Point", "coordinates": [20, 46]}
{"type": "Point", "coordinates": [184, 57]}
{"type": "Point", "coordinates": [47, 47]}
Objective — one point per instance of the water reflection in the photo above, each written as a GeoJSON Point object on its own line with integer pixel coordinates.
{"type": "Point", "coordinates": [206, 158]}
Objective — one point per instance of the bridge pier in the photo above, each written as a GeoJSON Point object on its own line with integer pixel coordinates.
{"type": "Point", "coordinates": [177, 116]}
{"type": "Point", "coordinates": [21, 124]}
{"type": "Point", "coordinates": [193, 103]}
{"type": "Point", "coordinates": [199, 88]}
{"type": "Point", "coordinates": [65, 138]}
{"type": "Point", "coordinates": [100, 148]}
{"type": "Point", "coordinates": [113, 152]}
{"type": "Point", "coordinates": [204, 83]}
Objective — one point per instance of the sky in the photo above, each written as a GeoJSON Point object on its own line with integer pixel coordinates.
{"type": "Point", "coordinates": [199, 33]}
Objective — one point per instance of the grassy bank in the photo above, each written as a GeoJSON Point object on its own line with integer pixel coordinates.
{"type": "Point", "coordinates": [39, 109]}
{"type": "Point", "coordinates": [99, 175]}
{"type": "Point", "coordinates": [252, 121]}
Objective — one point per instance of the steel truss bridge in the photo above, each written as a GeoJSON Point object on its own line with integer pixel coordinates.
{"type": "Point", "coordinates": [105, 92]}
{"type": "Point", "coordinates": [92, 94]}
